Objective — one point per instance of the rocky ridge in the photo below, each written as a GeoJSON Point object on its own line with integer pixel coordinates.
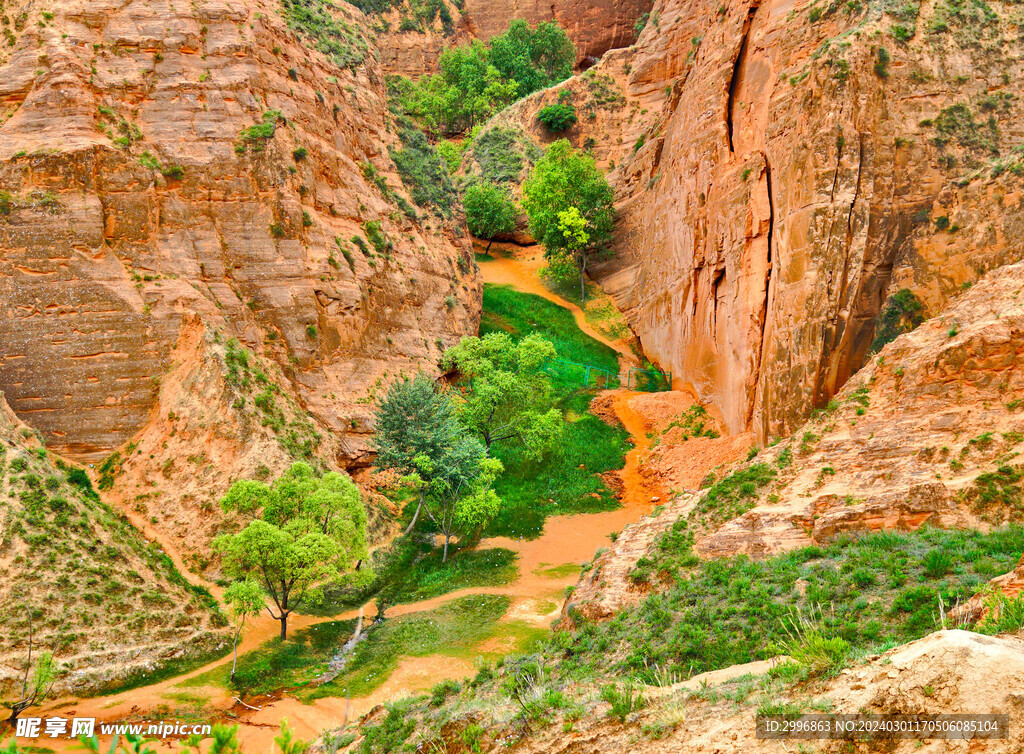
{"type": "Point", "coordinates": [929, 432]}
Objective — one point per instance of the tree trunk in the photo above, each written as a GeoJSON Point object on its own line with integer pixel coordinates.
{"type": "Point", "coordinates": [284, 625]}
{"type": "Point", "coordinates": [234, 662]}
{"type": "Point", "coordinates": [444, 558]}
{"type": "Point", "coordinates": [583, 284]}
{"type": "Point", "coordinates": [416, 515]}
{"type": "Point", "coordinates": [489, 242]}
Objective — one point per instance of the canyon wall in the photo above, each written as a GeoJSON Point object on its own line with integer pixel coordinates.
{"type": "Point", "coordinates": [411, 40]}
{"type": "Point", "coordinates": [595, 26]}
{"type": "Point", "coordinates": [165, 164]}
{"type": "Point", "coordinates": [806, 163]}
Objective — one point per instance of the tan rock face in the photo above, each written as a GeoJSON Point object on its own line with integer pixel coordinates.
{"type": "Point", "coordinates": [794, 179]}
{"type": "Point", "coordinates": [917, 437]}
{"type": "Point", "coordinates": [596, 26]}
{"type": "Point", "coordinates": [913, 439]}
{"type": "Point", "coordinates": [131, 203]}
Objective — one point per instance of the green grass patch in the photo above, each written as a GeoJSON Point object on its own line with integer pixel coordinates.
{"type": "Point", "coordinates": [559, 572]}
{"type": "Point", "coordinates": [277, 664]}
{"type": "Point", "coordinates": [453, 629]}
{"type": "Point", "coordinates": [429, 577]}
{"type": "Point", "coordinates": [203, 655]}
{"type": "Point", "coordinates": [870, 591]}
{"type": "Point", "coordinates": [509, 310]}
{"type": "Point", "coordinates": [734, 495]}
{"type": "Point", "coordinates": [567, 479]}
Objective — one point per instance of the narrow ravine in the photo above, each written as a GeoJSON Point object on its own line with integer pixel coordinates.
{"type": "Point", "coordinates": [566, 541]}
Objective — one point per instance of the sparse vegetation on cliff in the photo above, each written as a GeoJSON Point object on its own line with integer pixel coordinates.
{"type": "Point", "coordinates": [903, 312]}
{"type": "Point", "coordinates": [424, 175]}
{"type": "Point", "coordinates": [324, 28]}
{"type": "Point", "coordinates": [85, 580]}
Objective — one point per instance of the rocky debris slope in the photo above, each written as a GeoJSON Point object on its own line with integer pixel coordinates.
{"type": "Point", "coordinates": [160, 163]}
{"type": "Point", "coordinates": [947, 672]}
{"type": "Point", "coordinates": [222, 413]}
{"type": "Point", "coordinates": [1008, 586]}
{"type": "Point", "coordinates": [77, 577]}
{"type": "Point", "coordinates": [675, 461]}
{"type": "Point", "coordinates": [929, 432]}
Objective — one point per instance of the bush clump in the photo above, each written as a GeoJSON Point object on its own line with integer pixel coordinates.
{"type": "Point", "coordinates": [558, 117]}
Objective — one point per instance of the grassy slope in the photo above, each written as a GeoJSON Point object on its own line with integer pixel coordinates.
{"type": "Point", "coordinates": [876, 590]}
{"type": "Point", "coordinates": [97, 586]}
{"type": "Point", "coordinates": [567, 480]}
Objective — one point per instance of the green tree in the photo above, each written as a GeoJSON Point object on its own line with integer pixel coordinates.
{"type": "Point", "coordinates": [535, 58]}
{"type": "Point", "coordinates": [509, 396]}
{"type": "Point", "coordinates": [244, 599]}
{"type": "Point", "coordinates": [414, 419]}
{"type": "Point", "coordinates": [490, 212]}
{"type": "Point", "coordinates": [458, 496]}
{"type": "Point", "coordinates": [36, 680]}
{"type": "Point", "coordinates": [565, 187]}
{"type": "Point", "coordinates": [306, 529]}
{"type": "Point", "coordinates": [466, 91]}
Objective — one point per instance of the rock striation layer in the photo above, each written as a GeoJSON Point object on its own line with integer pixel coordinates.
{"type": "Point", "coordinates": [160, 163]}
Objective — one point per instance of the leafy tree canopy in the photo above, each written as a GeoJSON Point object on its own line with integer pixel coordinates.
{"type": "Point", "coordinates": [419, 434]}
{"type": "Point", "coordinates": [508, 397]}
{"type": "Point", "coordinates": [490, 211]}
{"type": "Point", "coordinates": [570, 207]}
{"type": "Point", "coordinates": [476, 80]}
{"type": "Point", "coordinates": [305, 529]}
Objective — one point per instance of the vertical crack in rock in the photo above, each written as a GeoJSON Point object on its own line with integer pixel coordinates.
{"type": "Point", "coordinates": [737, 64]}
{"type": "Point", "coordinates": [827, 376]}
{"type": "Point", "coordinates": [769, 273]}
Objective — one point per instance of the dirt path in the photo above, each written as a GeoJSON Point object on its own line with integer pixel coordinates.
{"type": "Point", "coordinates": [547, 565]}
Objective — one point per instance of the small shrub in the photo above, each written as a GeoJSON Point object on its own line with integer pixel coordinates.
{"type": "Point", "coordinates": [624, 701]}
{"type": "Point", "coordinates": [882, 63]}
{"type": "Point", "coordinates": [558, 117]}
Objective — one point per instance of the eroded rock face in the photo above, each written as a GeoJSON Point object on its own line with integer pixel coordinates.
{"type": "Point", "coordinates": [805, 165]}
{"type": "Point", "coordinates": [929, 432]}
{"type": "Point", "coordinates": [134, 201]}
{"type": "Point", "coordinates": [596, 26]}
{"type": "Point", "coordinates": [915, 438]}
